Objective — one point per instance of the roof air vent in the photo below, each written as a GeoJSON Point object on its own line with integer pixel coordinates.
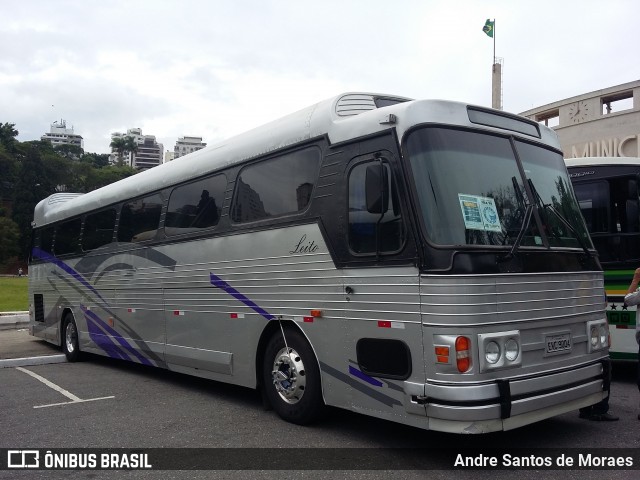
{"type": "Point", "coordinates": [354, 104]}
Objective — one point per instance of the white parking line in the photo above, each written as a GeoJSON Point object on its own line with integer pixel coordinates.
{"type": "Point", "coordinates": [66, 393]}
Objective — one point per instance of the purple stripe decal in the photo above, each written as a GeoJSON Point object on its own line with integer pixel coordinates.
{"type": "Point", "coordinates": [222, 285]}
{"type": "Point", "coordinates": [37, 252]}
{"type": "Point", "coordinates": [104, 326]}
{"type": "Point", "coordinates": [103, 341]}
{"type": "Point", "coordinates": [363, 376]}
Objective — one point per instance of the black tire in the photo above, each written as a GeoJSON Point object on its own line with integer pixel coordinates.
{"type": "Point", "coordinates": [292, 382]}
{"type": "Point", "coordinates": [70, 344]}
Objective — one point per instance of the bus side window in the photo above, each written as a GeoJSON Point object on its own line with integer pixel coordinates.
{"type": "Point", "coordinates": [139, 219]}
{"type": "Point", "coordinates": [276, 186]}
{"type": "Point", "coordinates": [195, 205]}
{"type": "Point", "coordinates": [98, 229]}
{"type": "Point", "coordinates": [363, 224]}
{"type": "Point", "coordinates": [46, 239]}
{"type": "Point", "coordinates": [632, 207]}
{"type": "Point", "coordinates": [68, 237]}
{"type": "Point", "coordinates": [599, 212]}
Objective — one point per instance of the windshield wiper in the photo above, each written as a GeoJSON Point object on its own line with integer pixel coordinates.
{"type": "Point", "coordinates": [525, 225]}
{"type": "Point", "coordinates": [565, 222]}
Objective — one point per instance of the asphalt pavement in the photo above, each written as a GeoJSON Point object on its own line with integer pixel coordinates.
{"type": "Point", "coordinates": [19, 349]}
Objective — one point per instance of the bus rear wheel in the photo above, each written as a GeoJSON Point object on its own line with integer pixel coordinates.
{"type": "Point", "coordinates": [70, 343]}
{"type": "Point", "coordinates": [291, 378]}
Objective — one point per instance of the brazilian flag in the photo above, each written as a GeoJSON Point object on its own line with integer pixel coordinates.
{"type": "Point", "coordinates": [488, 27]}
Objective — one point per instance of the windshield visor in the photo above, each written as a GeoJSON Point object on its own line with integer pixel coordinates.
{"type": "Point", "coordinates": [471, 191]}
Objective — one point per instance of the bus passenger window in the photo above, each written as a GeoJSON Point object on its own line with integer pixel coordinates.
{"type": "Point", "coordinates": [276, 186]}
{"type": "Point", "coordinates": [68, 237]}
{"type": "Point", "coordinates": [593, 198]}
{"type": "Point", "coordinates": [363, 224]}
{"type": "Point", "coordinates": [195, 205]}
{"type": "Point", "coordinates": [46, 239]}
{"type": "Point", "coordinates": [98, 229]}
{"type": "Point", "coordinates": [139, 219]}
{"type": "Point", "coordinates": [632, 207]}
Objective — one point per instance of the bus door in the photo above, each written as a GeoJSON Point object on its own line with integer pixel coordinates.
{"type": "Point", "coordinates": [383, 308]}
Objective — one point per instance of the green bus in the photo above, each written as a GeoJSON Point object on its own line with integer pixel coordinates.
{"type": "Point", "coordinates": [607, 191]}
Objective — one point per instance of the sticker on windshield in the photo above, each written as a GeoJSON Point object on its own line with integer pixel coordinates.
{"type": "Point", "coordinates": [479, 213]}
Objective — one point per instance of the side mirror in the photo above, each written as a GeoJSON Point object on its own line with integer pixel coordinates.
{"type": "Point", "coordinates": [377, 188]}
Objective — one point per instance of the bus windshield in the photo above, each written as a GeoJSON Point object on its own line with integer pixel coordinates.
{"type": "Point", "coordinates": [472, 192]}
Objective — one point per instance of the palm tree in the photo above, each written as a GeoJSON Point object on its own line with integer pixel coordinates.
{"type": "Point", "coordinates": [130, 146]}
{"type": "Point", "coordinates": [119, 145]}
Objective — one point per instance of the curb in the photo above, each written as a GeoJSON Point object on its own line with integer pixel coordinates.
{"type": "Point", "coordinates": [29, 361]}
{"type": "Point", "coordinates": [15, 325]}
{"type": "Point", "coordinates": [13, 320]}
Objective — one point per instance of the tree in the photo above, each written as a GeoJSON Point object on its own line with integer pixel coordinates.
{"type": "Point", "coordinates": [100, 177]}
{"type": "Point", "coordinates": [57, 172]}
{"type": "Point", "coordinates": [118, 145]}
{"type": "Point", "coordinates": [34, 170]}
{"type": "Point", "coordinates": [31, 186]}
{"type": "Point", "coordinates": [80, 173]}
{"type": "Point", "coordinates": [8, 136]}
{"type": "Point", "coordinates": [130, 146]}
{"type": "Point", "coordinates": [9, 237]}
{"type": "Point", "coordinates": [8, 171]}
{"type": "Point", "coordinates": [96, 160]}
{"type": "Point", "coordinates": [70, 152]}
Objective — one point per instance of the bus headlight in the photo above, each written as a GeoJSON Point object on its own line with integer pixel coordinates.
{"type": "Point", "coordinates": [594, 336]}
{"type": "Point", "coordinates": [499, 350]}
{"type": "Point", "coordinates": [511, 350]}
{"type": "Point", "coordinates": [598, 335]}
{"type": "Point", "coordinates": [603, 335]}
{"type": "Point", "coordinates": [492, 352]}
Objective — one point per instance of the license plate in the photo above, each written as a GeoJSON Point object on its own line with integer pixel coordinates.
{"type": "Point", "coordinates": [558, 343]}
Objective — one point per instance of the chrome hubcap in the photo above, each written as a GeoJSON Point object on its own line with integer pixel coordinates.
{"type": "Point", "coordinates": [70, 337]}
{"type": "Point", "coordinates": [289, 376]}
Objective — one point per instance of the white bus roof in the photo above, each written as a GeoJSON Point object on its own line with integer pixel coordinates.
{"type": "Point", "coordinates": [341, 118]}
{"type": "Point", "coordinates": [599, 161]}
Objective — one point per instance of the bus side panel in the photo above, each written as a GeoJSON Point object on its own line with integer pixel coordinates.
{"type": "Point", "coordinates": [225, 290]}
{"type": "Point", "coordinates": [385, 352]}
{"type": "Point", "coordinates": [129, 327]}
{"type": "Point", "coordinates": [44, 300]}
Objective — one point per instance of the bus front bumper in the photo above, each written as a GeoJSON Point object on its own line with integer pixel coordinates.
{"type": "Point", "coordinates": [508, 404]}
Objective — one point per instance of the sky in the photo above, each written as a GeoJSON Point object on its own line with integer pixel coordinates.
{"type": "Point", "coordinates": [214, 68]}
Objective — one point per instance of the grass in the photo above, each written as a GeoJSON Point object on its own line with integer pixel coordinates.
{"type": "Point", "coordinates": [13, 294]}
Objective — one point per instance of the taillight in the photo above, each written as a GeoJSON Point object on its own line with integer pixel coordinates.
{"type": "Point", "coordinates": [442, 354]}
{"type": "Point", "coordinates": [463, 354]}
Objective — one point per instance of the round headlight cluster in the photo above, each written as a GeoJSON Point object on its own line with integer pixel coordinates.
{"type": "Point", "coordinates": [594, 336]}
{"type": "Point", "coordinates": [499, 350]}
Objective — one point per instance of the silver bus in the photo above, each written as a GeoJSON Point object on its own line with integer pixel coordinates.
{"type": "Point", "coordinates": [608, 193]}
{"type": "Point", "coordinates": [420, 261]}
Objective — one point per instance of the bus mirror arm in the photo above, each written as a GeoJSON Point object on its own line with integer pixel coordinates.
{"type": "Point", "coordinates": [377, 188]}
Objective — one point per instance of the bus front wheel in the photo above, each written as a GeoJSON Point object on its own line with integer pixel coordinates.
{"type": "Point", "coordinates": [70, 344]}
{"type": "Point", "coordinates": [291, 378]}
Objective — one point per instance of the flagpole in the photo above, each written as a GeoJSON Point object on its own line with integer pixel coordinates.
{"type": "Point", "coordinates": [494, 41]}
